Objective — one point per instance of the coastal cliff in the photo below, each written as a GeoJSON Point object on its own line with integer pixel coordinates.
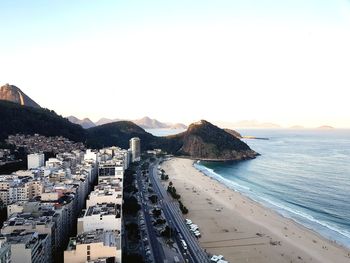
{"type": "Point", "coordinates": [205, 141]}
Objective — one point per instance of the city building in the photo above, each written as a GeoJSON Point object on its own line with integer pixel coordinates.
{"type": "Point", "coordinates": [29, 247]}
{"type": "Point", "coordinates": [35, 160]}
{"type": "Point", "coordinates": [110, 169]}
{"type": "Point", "coordinates": [105, 194]}
{"type": "Point", "coordinates": [106, 216]}
{"type": "Point", "coordinates": [16, 189]}
{"type": "Point", "coordinates": [94, 246]}
{"type": "Point", "coordinates": [135, 146]}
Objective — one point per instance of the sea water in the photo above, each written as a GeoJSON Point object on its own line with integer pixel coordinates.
{"type": "Point", "coordinates": [302, 174]}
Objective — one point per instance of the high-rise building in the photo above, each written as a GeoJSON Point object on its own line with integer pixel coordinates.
{"type": "Point", "coordinates": [35, 160]}
{"type": "Point", "coordinates": [94, 246]}
{"type": "Point", "coordinates": [135, 146]}
{"type": "Point", "coordinates": [29, 247]}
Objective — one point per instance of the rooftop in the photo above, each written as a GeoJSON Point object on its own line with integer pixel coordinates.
{"type": "Point", "coordinates": [26, 219]}
{"type": "Point", "coordinates": [109, 238]}
{"type": "Point", "coordinates": [104, 209]}
{"type": "Point", "coordinates": [30, 239]}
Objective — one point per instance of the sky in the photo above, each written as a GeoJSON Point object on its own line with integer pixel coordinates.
{"type": "Point", "coordinates": [285, 61]}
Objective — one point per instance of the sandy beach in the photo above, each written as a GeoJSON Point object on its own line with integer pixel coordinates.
{"type": "Point", "coordinates": [241, 229]}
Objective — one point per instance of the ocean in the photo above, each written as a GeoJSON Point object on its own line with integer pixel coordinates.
{"type": "Point", "coordinates": [302, 174]}
{"type": "Point", "coordinates": [164, 132]}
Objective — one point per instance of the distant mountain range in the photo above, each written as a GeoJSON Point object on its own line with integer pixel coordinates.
{"type": "Point", "coordinates": [201, 140]}
{"type": "Point", "coordinates": [85, 123]}
{"type": "Point", "coordinates": [12, 93]}
{"type": "Point", "coordinates": [145, 123]}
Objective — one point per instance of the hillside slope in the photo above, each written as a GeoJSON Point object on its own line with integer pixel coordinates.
{"type": "Point", "coordinates": [86, 123]}
{"type": "Point", "coordinates": [14, 94]}
{"type": "Point", "coordinates": [15, 118]}
{"type": "Point", "coordinates": [203, 140]}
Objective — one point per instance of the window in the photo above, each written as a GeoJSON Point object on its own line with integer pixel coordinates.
{"type": "Point", "coordinates": [88, 247]}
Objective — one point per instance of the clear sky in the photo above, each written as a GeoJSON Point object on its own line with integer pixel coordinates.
{"type": "Point", "coordinates": [285, 61]}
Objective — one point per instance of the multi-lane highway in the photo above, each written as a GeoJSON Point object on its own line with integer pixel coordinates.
{"type": "Point", "coordinates": [193, 252]}
{"type": "Point", "coordinates": [156, 248]}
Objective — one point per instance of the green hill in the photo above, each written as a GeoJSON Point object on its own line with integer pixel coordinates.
{"type": "Point", "coordinates": [202, 140]}
{"type": "Point", "coordinates": [15, 118]}
{"type": "Point", "coordinates": [118, 133]}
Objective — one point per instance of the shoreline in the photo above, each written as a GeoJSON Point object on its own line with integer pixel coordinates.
{"type": "Point", "coordinates": [242, 229]}
{"type": "Point", "coordinates": [243, 195]}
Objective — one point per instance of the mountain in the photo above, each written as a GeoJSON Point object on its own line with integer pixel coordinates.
{"type": "Point", "coordinates": [234, 133]}
{"type": "Point", "coordinates": [103, 121]}
{"type": "Point", "coordinates": [202, 140]}
{"type": "Point", "coordinates": [15, 118]}
{"type": "Point", "coordinates": [205, 141]}
{"type": "Point", "coordinates": [145, 123]}
{"type": "Point", "coordinates": [119, 133]}
{"type": "Point", "coordinates": [148, 123]}
{"type": "Point", "coordinates": [85, 123]}
{"type": "Point", "coordinates": [12, 93]}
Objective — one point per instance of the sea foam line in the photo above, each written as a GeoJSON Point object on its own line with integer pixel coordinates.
{"type": "Point", "coordinates": [235, 186]}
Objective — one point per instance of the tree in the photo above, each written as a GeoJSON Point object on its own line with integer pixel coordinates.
{"type": "Point", "coordinates": [153, 198]}
{"type": "Point", "coordinates": [131, 206]}
{"type": "Point", "coordinates": [156, 212]}
{"type": "Point", "coordinates": [159, 221]}
{"type": "Point", "coordinates": [133, 231]}
{"type": "Point", "coordinates": [183, 208]}
{"type": "Point", "coordinates": [133, 258]}
{"type": "Point", "coordinates": [166, 232]}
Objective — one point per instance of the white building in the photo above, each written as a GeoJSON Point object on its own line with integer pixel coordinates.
{"type": "Point", "coordinates": [13, 189]}
{"type": "Point", "coordinates": [111, 169]}
{"type": "Point", "coordinates": [53, 163]}
{"type": "Point", "coordinates": [35, 160]}
{"type": "Point", "coordinates": [94, 245]}
{"type": "Point", "coordinates": [90, 155]}
{"type": "Point", "coordinates": [105, 194]}
{"type": "Point", "coordinates": [135, 146]}
{"type": "Point", "coordinates": [100, 216]}
{"type": "Point", "coordinates": [29, 247]}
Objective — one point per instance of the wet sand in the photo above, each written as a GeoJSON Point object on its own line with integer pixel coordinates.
{"type": "Point", "coordinates": [242, 230]}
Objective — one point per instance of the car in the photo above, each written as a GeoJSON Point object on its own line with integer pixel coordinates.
{"type": "Point", "coordinates": [188, 221]}
{"type": "Point", "coordinates": [197, 233]}
{"type": "Point", "coordinates": [184, 245]}
{"type": "Point", "coordinates": [194, 229]}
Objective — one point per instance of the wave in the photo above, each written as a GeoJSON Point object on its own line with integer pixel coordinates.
{"type": "Point", "coordinates": [306, 216]}
{"type": "Point", "coordinates": [300, 217]}
{"type": "Point", "coordinates": [220, 178]}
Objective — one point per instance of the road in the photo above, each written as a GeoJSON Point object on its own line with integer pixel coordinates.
{"type": "Point", "coordinates": [156, 248]}
{"type": "Point", "coordinates": [174, 216]}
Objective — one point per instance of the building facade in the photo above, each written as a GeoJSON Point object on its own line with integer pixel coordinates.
{"type": "Point", "coordinates": [135, 146]}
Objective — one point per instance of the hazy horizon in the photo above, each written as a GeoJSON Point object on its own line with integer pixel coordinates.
{"type": "Point", "coordinates": [224, 61]}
